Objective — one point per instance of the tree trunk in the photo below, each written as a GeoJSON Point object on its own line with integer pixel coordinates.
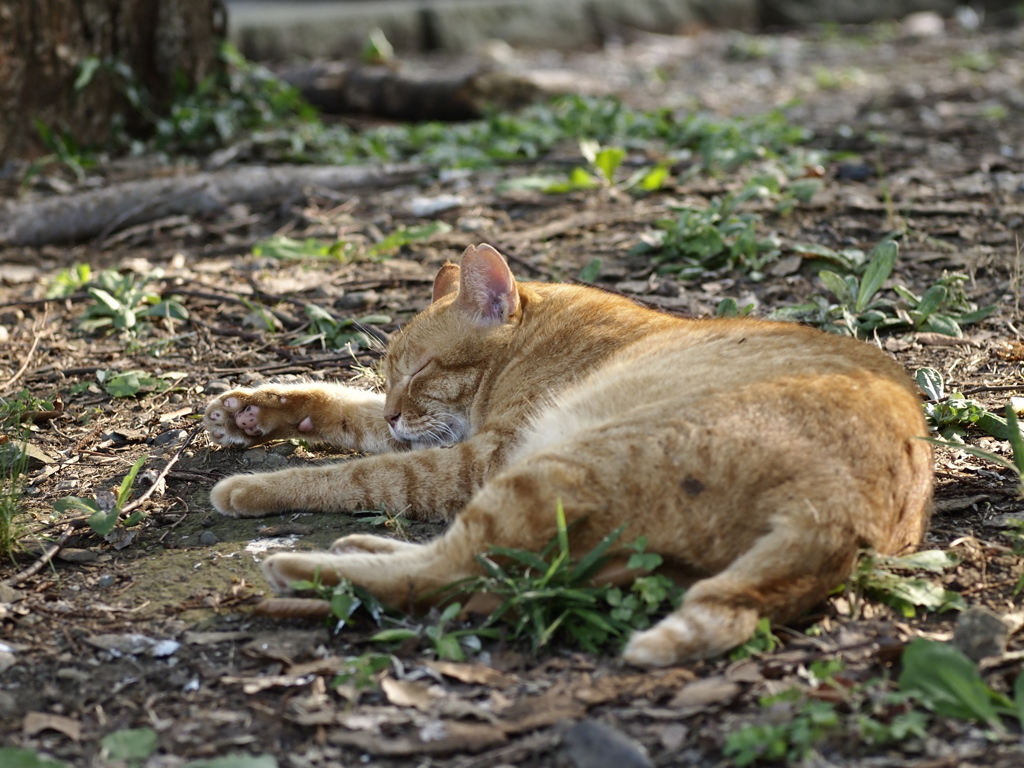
{"type": "Point", "coordinates": [44, 44]}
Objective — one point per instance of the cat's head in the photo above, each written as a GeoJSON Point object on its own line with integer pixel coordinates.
{"type": "Point", "coordinates": [434, 366]}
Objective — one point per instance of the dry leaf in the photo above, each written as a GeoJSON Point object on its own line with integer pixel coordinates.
{"type": "Point", "coordinates": [475, 674]}
{"type": "Point", "coordinates": [35, 722]}
{"type": "Point", "coordinates": [437, 737]}
{"type": "Point", "coordinates": [941, 340]}
{"type": "Point", "coordinates": [256, 684]}
{"type": "Point", "coordinates": [701, 694]}
{"type": "Point", "coordinates": [651, 686]}
{"type": "Point", "coordinates": [410, 693]}
{"type": "Point", "coordinates": [557, 704]}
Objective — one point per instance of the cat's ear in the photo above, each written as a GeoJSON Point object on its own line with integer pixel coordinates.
{"type": "Point", "coordinates": [487, 288]}
{"type": "Point", "coordinates": [447, 281]}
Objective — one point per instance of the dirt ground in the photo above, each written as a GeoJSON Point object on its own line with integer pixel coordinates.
{"type": "Point", "coordinates": [937, 126]}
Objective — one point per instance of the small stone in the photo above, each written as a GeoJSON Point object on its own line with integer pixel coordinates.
{"type": "Point", "coordinates": [216, 387]}
{"type": "Point", "coordinates": [74, 555]}
{"type": "Point", "coordinates": [170, 436]}
{"type": "Point", "coordinates": [8, 705]}
{"type": "Point", "coordinates": [358, 300]}
{"type": "Point", "coordinates": [106, 581]}
{"type": "Point", "coordinates": [592, 744]}
{"type": "Point", "coordinates": [980, 633]}
{"type": "Point", "coordinates": [431, 206]}
{"type": "Point", "coordinates": [208, 538]}
{"type": "Point", "coordinates": [5, 335]}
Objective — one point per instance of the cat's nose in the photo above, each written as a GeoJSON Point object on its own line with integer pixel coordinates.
{"type": "Point", "coordinates": [392, 417]}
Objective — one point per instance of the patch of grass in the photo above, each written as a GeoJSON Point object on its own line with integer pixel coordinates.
{"type": "Point", "coordinates": [549, 598]}
{"type": "Point", "coordinates": [344, 251]}
{"type": "Point", "coordinates": [796, 721]}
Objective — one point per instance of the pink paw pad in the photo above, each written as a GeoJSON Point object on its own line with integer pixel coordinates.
{"type": "Point", "coordinates": [247, 419]}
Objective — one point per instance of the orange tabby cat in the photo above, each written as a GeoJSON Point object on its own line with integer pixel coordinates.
{"type": "Point", "coordinates": [755, 457]}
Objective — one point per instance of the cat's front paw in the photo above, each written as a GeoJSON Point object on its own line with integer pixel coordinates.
{"type": "Point", "coordinates": [243, 496]}
{"type": "Point", "coordinates": [247, 417]}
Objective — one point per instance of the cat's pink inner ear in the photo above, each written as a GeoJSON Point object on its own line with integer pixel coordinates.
{"type": "Point", "coordinates": [487, 288]}
{"type": "Point", "coordinates": [447, 281]}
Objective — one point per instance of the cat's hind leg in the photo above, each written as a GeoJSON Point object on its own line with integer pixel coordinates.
{"type": "Point", "coordinates": [318, 412]}
{"type": "Point", "coordinates": [783, 575]}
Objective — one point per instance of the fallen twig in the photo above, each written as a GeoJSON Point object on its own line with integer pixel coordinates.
{"type": "Point", "coordinates": [78, 216]}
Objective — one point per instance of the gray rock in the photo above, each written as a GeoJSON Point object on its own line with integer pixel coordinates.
{"type": "Point", "coordinates": [208, 538]}
{"type": "Point", "coordinates": [592, 744]}
{"type": "Point", "coordinates": [980, 632]}
{"type": "Point", "coordinates": [216, 387]}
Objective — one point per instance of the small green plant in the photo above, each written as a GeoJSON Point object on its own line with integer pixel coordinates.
{"type": "Point", "coordinates": [286, 248]}
{"type": "Point", "coordinates": [105, 510]}
{"type": "Point", "coordinates": [332, 333]}
{"type": "Point", "coordinates": [719, 236]}
{"type": "Point", "coordinates": [952, 415]}
{"type": "Point", "coordinates": [362, 672]}
{"type": "Point", "coordinates": [118, 301]}
{"type": "Point", "coordinates": [885, 578]}
{"type": "Point", "coordinates": [63, 152]}
{"type": "Point", "coordinates": [729, 307]}
{"type": "Point", "coordinates": [448, 641]}
{"type": "Point", "coordinates": [1013, 436]}
{"type": "Point", "coordinates": [69, 280]}
{"type": "Point", "coordinates": [942, 678]}
{"type": "Point", "coordinates": [235, 101]}
{"type": "Point", "coordinates": [396, 524]}
{"type": "Point", "coordinates": [130, 746]}
{"type": "Point", "coordinates": [135, 382]}
{"type": "Point", "coordinates": [762, 641]}
{"type": "Point", "coordinates": [862, 308]}
{"type": "Point", "coordinates": [604, 164]}
{"type": "Point", "coordinates": [14, 453]}
{"type": "Point", "coordinates": [796, 721]}
{"type": "Point", "coordinates": [804, 723]}
{"type": "Point", "coordinates": [547, 597]}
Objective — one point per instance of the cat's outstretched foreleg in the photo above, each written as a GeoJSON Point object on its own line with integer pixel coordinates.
{"type": "Point", "coordinates": [332, 414]}
{"type": "Point", "coordinates": [430, 483]}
